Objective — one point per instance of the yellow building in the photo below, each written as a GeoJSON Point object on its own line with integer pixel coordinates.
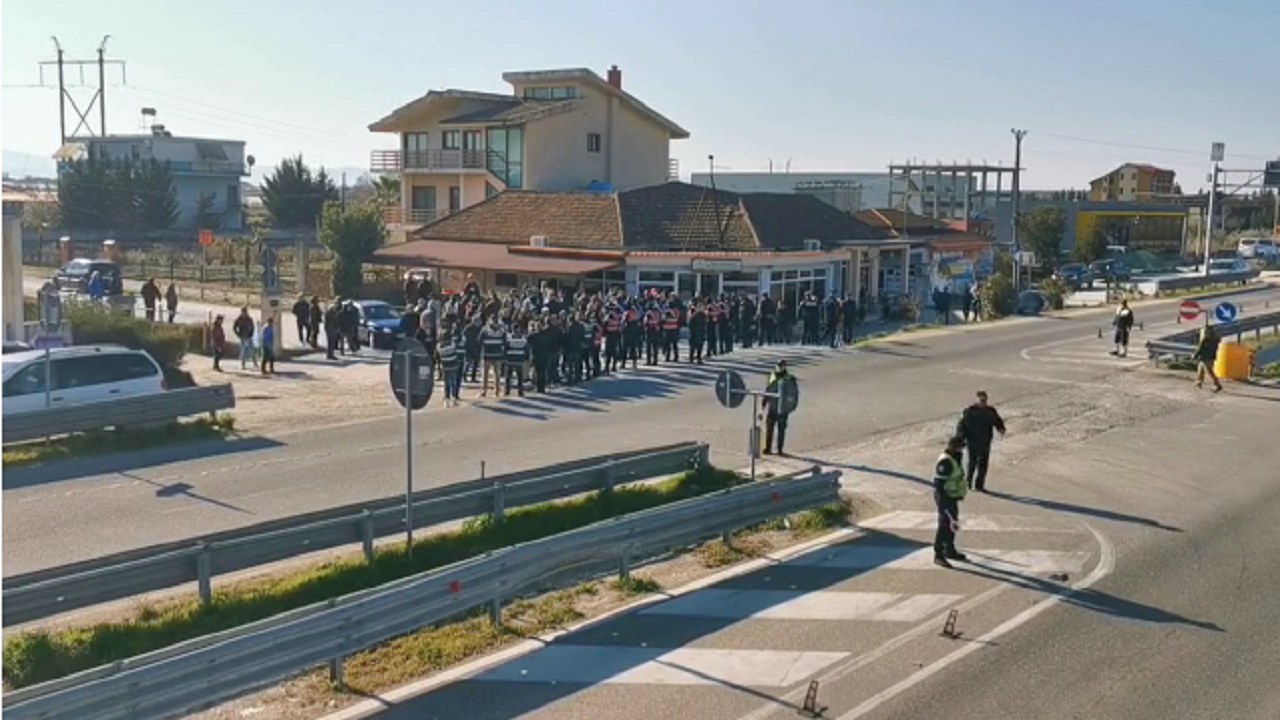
{"type": "Point", "coordinates": [1132, 182]}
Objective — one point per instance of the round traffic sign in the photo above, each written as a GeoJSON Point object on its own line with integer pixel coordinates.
{"type": "Point", "coordinates": [731, 389]}
{"type": "Point", "coordinates": [1190, 310]}
{"type": "Point", "coordinates": [420, 375]}
{"type": "Point", "coordinates": [1226, 312]}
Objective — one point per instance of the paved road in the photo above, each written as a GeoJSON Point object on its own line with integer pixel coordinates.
{"type": "Point", "coordinates": [76, 510]}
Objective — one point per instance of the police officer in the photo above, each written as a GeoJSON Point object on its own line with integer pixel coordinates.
{"type": "Point", "coordinates": [776, 415]}
{"type": "Point", "coordinates": [652, 334]}
{"type": "Point", "coordinates": [631, 337]}
{"type": "Point", "coordinates": [671, 332]}
{"type": "Point", "coordinates": [697, 331]}
{"type": "Point", "coordinates": [713, 322]}
{"type": "Point", "coordinates": [948, 490]}
{"type": "Point", "coordinates": [612, 338]}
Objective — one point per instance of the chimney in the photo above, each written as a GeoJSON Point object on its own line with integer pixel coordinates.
{"type": "Point", "coordinates": [615, 77]}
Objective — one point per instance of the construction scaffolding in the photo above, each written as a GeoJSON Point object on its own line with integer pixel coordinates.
{"type": "Point", "coordinates": [950, 192]}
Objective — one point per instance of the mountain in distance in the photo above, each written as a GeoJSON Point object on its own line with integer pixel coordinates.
{"type": "Point", "coordinates": [17, 165]}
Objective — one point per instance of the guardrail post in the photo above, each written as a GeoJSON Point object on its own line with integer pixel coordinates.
{"type": "Point", "coordinates": [204, 573]}
{"type": "Point", "coordinates": [703, 459]}
{"type": "Point", "coordinates": [607, 475]}
{"type": "Point", "coordinates": [499, 501]}
{"type": "Point", "coordinates": [495, 611]}
{"type": "Point", "coordinates": [624, 567]}
{"type": "Point", "coordinates": [335, 665]}
{"type": "Point", "coordinates": [366, 534]}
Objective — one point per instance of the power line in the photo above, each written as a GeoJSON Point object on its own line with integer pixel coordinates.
{"type": "Point", "coordinates": [1154, 148]}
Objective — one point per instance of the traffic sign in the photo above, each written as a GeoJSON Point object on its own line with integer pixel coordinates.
{"type": "Point", "coordinates": [731, 390]}
{"type": "Point", "coordinates": [1190, 310]}
{"type": "Point", "coordinates": [1226, 312]}
{"type": "Point", "coordinates": [206, 237]}
{"type": "Point", "coordinates": [420, 375]}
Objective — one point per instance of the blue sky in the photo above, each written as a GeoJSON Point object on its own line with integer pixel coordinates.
{"type": "Point", "coordinates": [843, 85]}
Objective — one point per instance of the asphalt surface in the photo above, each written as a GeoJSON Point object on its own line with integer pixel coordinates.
{"type": "Point", "coordinates": [76, 510]}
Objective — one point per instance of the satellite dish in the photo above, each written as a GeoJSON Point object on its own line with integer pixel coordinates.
{"type": "Point", "coordinates": [251, 160]}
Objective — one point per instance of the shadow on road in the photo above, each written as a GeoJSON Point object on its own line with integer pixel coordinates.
{"type": "Point", "coordinates": [182, 489]}
{"type": "Point", "coordinates": [1083, 510]}
{"type": "Point", "coordinates": [134, 460]}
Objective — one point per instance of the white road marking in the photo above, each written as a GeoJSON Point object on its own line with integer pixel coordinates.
{"type": "Point", "coordinates": [923, 520]}
{"type": "Point", "coordinates": [802, 605]}
{"type": "Point", "coordinates": [593, 664]}
{"type": "Point", "coordinates": [1106, 563]}
{"type": "Point", "coordinates": [866, 556]}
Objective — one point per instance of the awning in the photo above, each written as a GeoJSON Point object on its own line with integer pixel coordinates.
{"type": "Point", "coordinates": [488, 256]}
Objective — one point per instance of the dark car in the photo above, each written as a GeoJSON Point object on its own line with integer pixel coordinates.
{"type": "Point", "coordinates": [379, 324]}
{"type": "Point", "coordinates": [1073, 274]}
{"type": "Point", "coordinates": [1030, 302]}
{"type": "Point", "coordinates": [75, 276]}
{"type": "Point", "coordinates": [1108, 271]}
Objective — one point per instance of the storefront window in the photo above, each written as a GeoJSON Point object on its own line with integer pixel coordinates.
{"type": "Point", "coordinates": [657, 277]}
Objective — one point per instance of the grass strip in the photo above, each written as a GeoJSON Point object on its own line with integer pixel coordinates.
{"type": "Point", "coordinates": [41, 655]}
{"type": "Point", "coordinates": [98, 442]}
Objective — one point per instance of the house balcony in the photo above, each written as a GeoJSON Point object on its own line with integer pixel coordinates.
{"type": "Point", "coordinates": [402, 216]}
{"type": "Point", "coordinates": [426, 161]}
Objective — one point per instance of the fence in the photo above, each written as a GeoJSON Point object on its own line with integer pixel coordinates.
{"type": "Point", "coordinates": [141, 411]}
{"type": "Point", "coordinates": [204, 671]}
{"type": "Point", "coordinates": [42, 593]}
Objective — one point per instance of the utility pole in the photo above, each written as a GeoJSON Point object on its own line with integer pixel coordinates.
{"type": "Point", "coordinates": [62, 107]}
{"type": "Point", "coordinates": [102, 85]}
{"type": "Point", "coordinates": [1217, 153]}
{"type": "Point", "coordinates": [1017, 172]}
{"type": "Point", "coordinates": [99, 97]}
{"type": "Point", "coordinates": [343, 197]}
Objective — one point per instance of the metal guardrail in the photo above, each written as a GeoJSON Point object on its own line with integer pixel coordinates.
{"type": "Point", "coordinates": [43, 593]}
{"type": "Point", "coordinates": [1197, 281]}
{"type": "Point", "coordinates": [138, 411]}
{"type": "Point", "coordinates": [1183, 344]}
{"type": "Point", "coordinates": [204, 671]}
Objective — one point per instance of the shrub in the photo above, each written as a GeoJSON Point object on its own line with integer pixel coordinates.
{"type": "Point", "coordinates": [997, 297]}
{"type": "Point", "coordinates": [1055, 292]}
{"type": "Point", "coordinates": [92, 323]}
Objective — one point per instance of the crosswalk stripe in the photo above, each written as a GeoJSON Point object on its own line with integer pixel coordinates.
{"type": "Point", "coordinates": [902, 557]}
{"type": "Point", "coordinates": [592, 664]}
{"type": "Point", "coordinates": [923, 520]}
{"type": "Point", "coordinates": [802, 605]}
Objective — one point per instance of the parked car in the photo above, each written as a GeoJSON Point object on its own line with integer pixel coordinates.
{"type": "Point", "coordinates": [1073, 274]}
{"type": "Point", "coordinates": [379, 324]}
{"type": "Point", "coordinates": [1258, 249]}
{"type": "Point", "coordinates": [1232, 265]}
{"type": "Point", "coordinates": [1108, 271]}
{"type": "Point", "coordinates": [1030, 302]}
{"type": "Point", "coordinates": [80, 374]}
{"type": "Point", "coordinates": [75, 276]}
{"type": "Point", "coordinates": [14, 346]}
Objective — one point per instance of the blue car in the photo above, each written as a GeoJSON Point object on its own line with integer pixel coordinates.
{"type": "Point", "coordinates": [379, 324]}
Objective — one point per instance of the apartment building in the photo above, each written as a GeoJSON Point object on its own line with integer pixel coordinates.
{"type": "Point", "coordinates": [558, 130]}
{"type": "Point", "coordinates": [1132, 182]}
{"type": "Point", "coordinates": [200, 167]}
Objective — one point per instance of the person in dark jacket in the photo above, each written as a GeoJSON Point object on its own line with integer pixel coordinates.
{"type": "Point", "coordinates": [349, 322]}
{"type": "Point", "coordinates": [697, 332]}
{"type": "Point", "coordinates": [786, 321]}
{"type": "Point", "coordinates": [768, 321]}
{"type": "Point", "coordinates": [747, 322]}
{"type": "Point", "coordinates": [171, 301]}
{"type": "Point", "coordinates": [150, 297]}
{"type": "Point", "coordinates": [471, 348]}
{"type": "Point", "coordinates": [809, 313]}
{"type": "Point", "coordinates": [302, 314]}
{"type": "Point", "coordinates": [573, 346]}
{"type": "Point", "coordinates": [315, 315]}
{"type": "Point", "coordinates": [977, 426]}
{"type": "Point", "coordinates": [540, 350]}
{"type": "Point", "coordinates": [1124, 323]}
{"type": "Point", "coordinates": [332, 329]}
{"type": "Point", "coordinates": [831, 316]}
{"type": "Point", "coordinates": [219, 342]}
{"type": "Point", "coordinates": [631, 338]}
{"type": "Point", "coordinates": [493, 348]}
{"type": "Point", "coordinates": [451, 368]}
{"type": "Point", "coordinates": [516, 359]}
{"type": "Point", "coordinates": [776, 414]}
{"type": "Point", "coordinates": [244, 329]}
{"type": "Point", "coordinates": [848, 317]}
{"type": "Point", "coordinates": [1206, 353]}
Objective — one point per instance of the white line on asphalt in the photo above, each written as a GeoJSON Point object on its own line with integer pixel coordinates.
{"type": "Point", "coordinates": [1106, 563]}
{"type": "Point", "coordinates": [804, 605]}
{"type": "Point", "coordinates": [615, 665]}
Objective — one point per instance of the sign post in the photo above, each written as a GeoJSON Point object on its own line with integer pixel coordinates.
{"type": "Point", "coordinates": [1226, 312]}
{"type": "Point", "coordinates": [1189, 310]}
{"type": "Point", "coordinates": [731, 391]}
{"type": "Point", "coordinates": [412, 377]}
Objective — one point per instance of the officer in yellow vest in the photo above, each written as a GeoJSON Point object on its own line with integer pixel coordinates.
{"type": "Point", "coordinates": [949, 487]}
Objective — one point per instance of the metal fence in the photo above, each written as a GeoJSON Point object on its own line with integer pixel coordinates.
{"type": "Point", "coordinates": [42, 593]}
{"type": "Point", "coordinates": [141, 411]}
{"type": "Point", "coordinates": [205, 671]}
{"type": "Point", "coordinates": [1183, 344]}
{"type": "Point", "coordinates": [1188, 282]}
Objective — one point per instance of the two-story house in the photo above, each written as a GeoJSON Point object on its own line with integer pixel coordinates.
{"type": "Point", "coordinates": [200, 167]}
{"type": "Point", "coordinates": [558, 130]}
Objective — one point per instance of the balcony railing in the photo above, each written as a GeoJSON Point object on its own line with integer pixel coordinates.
{"type": "Point", "coordinates": [387, 161]}
{"type": "Point", "coordinates": [411, 216]}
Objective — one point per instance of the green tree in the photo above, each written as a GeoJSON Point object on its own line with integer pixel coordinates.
{"type": "Point", "coordinates": [996, 297]}
{"type": "Point", "coordinates": [386, 191]}
{"type": "Point", "coordinates": [1041, 230]}
{"type": "Point", "coordinates": [352, 237]}
{"type": "Point", "coordinates": [122, 210]}
{"type": "Point", "coordinates": [1093, 247]}
{"type": "Point", "coordinates": [206, 217]}
{"type": "Point", "coordinates": [293, 197]}
{"type": "Point", "coordinates": [84, 194]}
{"type": "Point", "coordinates": [156, 200]}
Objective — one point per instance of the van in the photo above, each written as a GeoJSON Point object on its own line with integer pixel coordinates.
{"type": "Point", "coordinates": [80, 374]}
{"type": "Point", "coordinates": [1258, 248]}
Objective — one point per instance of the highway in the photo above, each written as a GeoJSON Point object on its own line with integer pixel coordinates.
{"type": "Point", "coordinates": [80, 509]}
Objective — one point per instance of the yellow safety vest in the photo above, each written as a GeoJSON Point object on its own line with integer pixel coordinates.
{"type": "Point", "coordinates": [950, 472]}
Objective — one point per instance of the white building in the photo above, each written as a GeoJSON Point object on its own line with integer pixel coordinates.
{"type": "Point", "coordinates": [199, 166]}
{"type": "Point", "coordinates": [872, 187]}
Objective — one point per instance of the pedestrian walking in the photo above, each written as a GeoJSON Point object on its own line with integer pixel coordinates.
{"type": "Point", "coordinates": [268, 347]}
{"type": "Point", "coordinates": [1123, 322]}
{"type": "Point", "coordinates": [331, 322]}
{"type": "Point", "coordinates": [171, 301]}
{"type": "Point", "coordinates": [243, 327]}
{"type": "Point", "coordinates": [948, 491]}
{"type": "Point", "coordinates": [219, 342]}
{"type": "Point", "coordinates": [150, 298]}
{"type": "Point", "coordinates": [966, 302]}
{"type": "Point", "coordinates": [95, 285]}
{"type": "Point", "coordinates": [349, 319]}
{"type": "Point", "coordinates": [302, 316]}
{"type": "Point", "coordinates": [978, 424]}
{"type": "Point", "coordinates": [776, 414]}
{"type": "Point", "coordinates": [493, 348]}
{"type": "Point", "coordinates": [1205, 354]}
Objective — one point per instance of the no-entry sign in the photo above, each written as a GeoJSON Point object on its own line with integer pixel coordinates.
{"type": "Point", "coordinates": [1190, 310]}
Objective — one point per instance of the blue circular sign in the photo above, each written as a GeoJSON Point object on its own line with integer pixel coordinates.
{"type": "Point", "coordinates": [1225, 312]}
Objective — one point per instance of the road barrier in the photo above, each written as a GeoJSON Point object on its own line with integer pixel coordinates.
{"type": "Point", "coordinates": [142, 411]}
{"type": "Point", "coordinates": [1183, 344]}
{"type": "Point", "coordinates": [42, 593]}
{"type": "Point", "coordinates": [205, 671]}
{"type": "Point", "coordinates": [1188, 282]}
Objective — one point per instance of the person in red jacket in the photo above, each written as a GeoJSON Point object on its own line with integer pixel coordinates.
{"type": "Point", "coordinates": [652, 334]}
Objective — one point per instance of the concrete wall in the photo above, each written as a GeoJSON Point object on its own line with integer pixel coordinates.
{"type": "Point", "coordinates": [640, 149]}
{"type": "Point", "coordinates": [555, 147]}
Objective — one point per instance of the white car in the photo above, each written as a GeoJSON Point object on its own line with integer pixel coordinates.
{"type": "Point", "coordinates": [80, 374]}
{"type": "Point", "coordinates": [1258, 248]}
